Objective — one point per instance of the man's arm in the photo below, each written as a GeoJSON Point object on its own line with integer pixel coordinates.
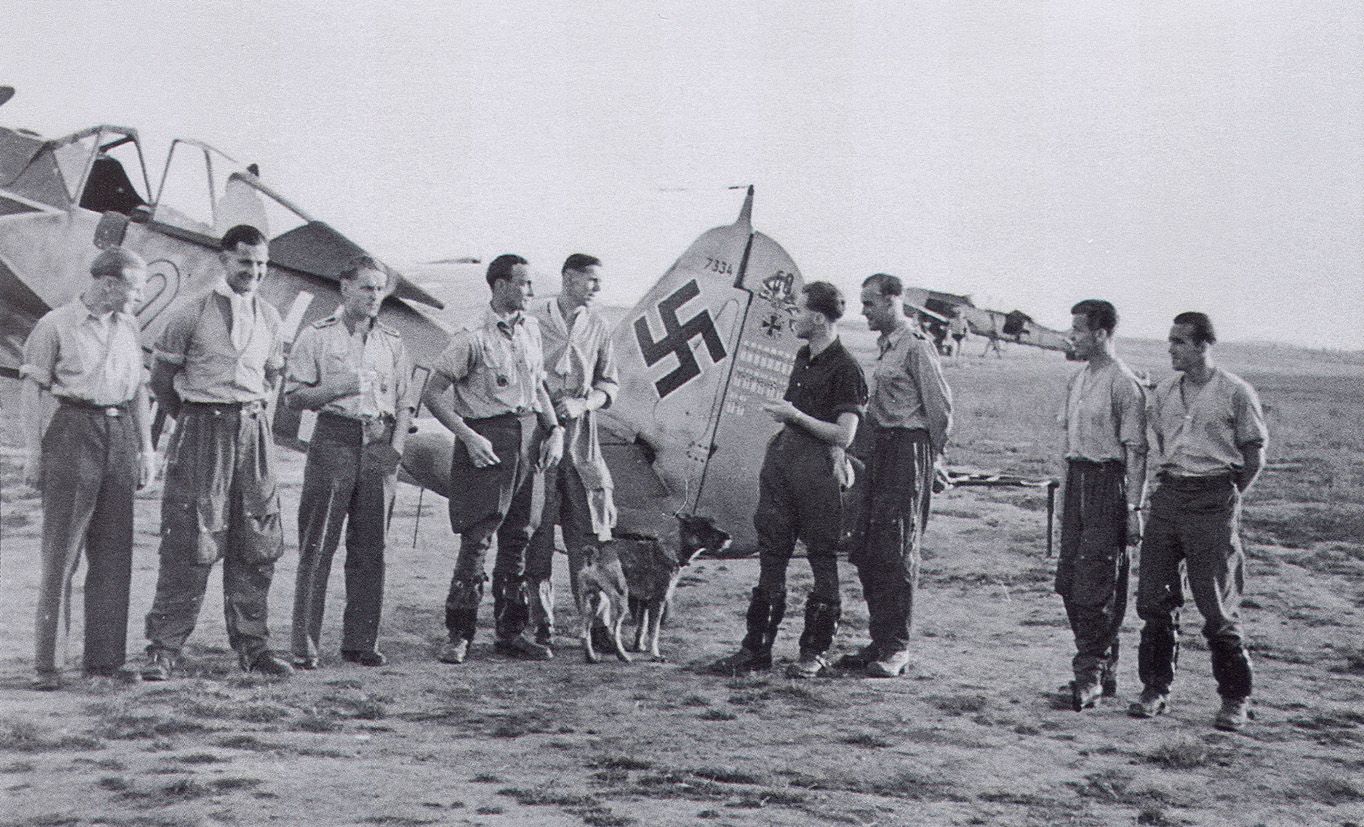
{"type": "Point", "coordinates": [552, 449]}
{"type": "Point", "coordinates": [839, 433]}
{"type": "Point", "coordinates": [33, 397]}
{"type": "Point", "coordinates": [142, 420]}
{"type": "Point", "coordinates": [437, 400]}
{"type": "Point", "coordinates": [163, 386]}
{"type": "Point", "coordinates": [1252, 461]}
{"type": "Point", "coordinates": [926, 370]}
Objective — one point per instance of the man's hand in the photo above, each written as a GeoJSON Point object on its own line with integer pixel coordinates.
{"type": "Point", "coordinates": [480, 450]}
{"type": "Point", "coordinates": [33, 471]}
{"type": "Point", "coordinates": [1134, 527]}
{"type": "Point", "coordinates": [552, 449]}
{"type": "Point", "coordinates": [783, 411]}
{"type": "Point", "coordinates": [146, 468]}
{"type": "Point", "coordinates": [570, 407]}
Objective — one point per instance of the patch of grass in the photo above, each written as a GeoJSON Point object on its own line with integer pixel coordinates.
{"type": "Point", "coordinates": [248, 742]}
{"type": "Point", "coordinates": [317, 721]}
{"type": "Point", "coordinates": [27, 736]}
{"type": "Point", "coordinates": [717, 715]}
{"type": "Point", "coordinates": [360, 705]}
{"type": "Point", "coordinates": [544, 796]}
{"type": "Point", "coordinates": [490, 810]}
{"type": "Point", "coordinates": [1333, 790]}
{"type": "Point", "coordinates": [694, 700]}
{"type": "Point", "coordinates": [867, 739]}
{"type": "Point", "coordinates": [729, 775]}
{"type": "Point", "coordinates": [17, 768]}
{"type": "Point", "coordinates": [198, 758]}
{"type": "Point", "coordinates": [1181, 753]}
{"type": "Point", "coordinates": [114, 783]}
{"type": "Point", "coordinates": [131, 726]}
{"type": "Point", "coordinates": [620, 762]}
{"type": "Point", "coordinates": [960, 704]}
{"type": "Point", "coordinates": [224, 785]}
{"type": "Point", "coordinates": [397, 820]}
{"type": "Point", "coordinates": [486, 778]}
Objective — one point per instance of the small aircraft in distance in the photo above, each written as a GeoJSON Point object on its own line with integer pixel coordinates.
{"type": "Point", "coordinates": [708, 343]}
{"type": "Point", "coordinates": [1015, 326]}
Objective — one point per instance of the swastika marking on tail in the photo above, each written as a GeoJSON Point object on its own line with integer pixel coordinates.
{"type": "Point", "coordinates": [677, 339]}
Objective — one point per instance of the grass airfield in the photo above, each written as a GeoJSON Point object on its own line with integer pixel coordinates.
{"type": "Point", "coordinates": [976, 734]}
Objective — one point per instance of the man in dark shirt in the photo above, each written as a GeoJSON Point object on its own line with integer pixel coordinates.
{"type": "Point", "coordinates": [800, 487]}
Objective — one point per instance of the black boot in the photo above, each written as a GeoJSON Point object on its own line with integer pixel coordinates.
{"type": "Point", "coordinates": [1231, 669]}
{"type": "Point", "coordinates": [764, 616]}
{"type": "Point", "coordinates": [511, 613]}
{"type": "Point", "coordinates": [1158, 654]}
{"type": "Point", "coordinates": [821, 624]}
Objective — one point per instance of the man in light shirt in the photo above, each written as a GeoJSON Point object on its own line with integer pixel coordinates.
{"type": "Point", "coordinates": [488, 388]}
{"type": "Point", "coordinates": [88, 459]}
{"type": "Point", "coordinates": [581, 375]}
{"type": "Point", "coordinates": [217, 361]}
{"type": "Point", "coordinates": [1104, 423]}
{"type": "Point", "coordinates": [1210, 440]}
{"type": "Point", "coordinates": [909, 418]}
{"type": "Point", "coordinates": [353, 369]}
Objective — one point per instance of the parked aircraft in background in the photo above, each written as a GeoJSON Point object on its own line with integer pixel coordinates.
{"type": "Point", "coordinates": [708, 343]}
{"type": "Point", "coordinates": [1014, 326]}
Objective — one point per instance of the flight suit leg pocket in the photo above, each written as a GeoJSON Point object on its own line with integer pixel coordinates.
{"type": "Point", "coordinates": [261, 534]}
{"type": "Point", "coordinates": [192, 528]}
{"type": "Point", "coordinates": [1093, 578]}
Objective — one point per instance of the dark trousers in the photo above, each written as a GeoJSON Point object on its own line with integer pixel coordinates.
{"type": "Point", "coordinates": [565, 503]}
{"type": "Point", "coordinates": [1092, 570]}
{"type": "Point", "coordinates": [89, 478]}
{"type": "Point", "coordinates": [1196, 522]}
{"type": "Point", "coordinates": [348, 482]}
{"type": "Point", "coordinates": [899, 487]}
{"type": "Point", "coordinates": [220, 502]}
{"type": "Point", "coordinates": [798, 498]}
{"type": "Point", "coordinates": [502, 501]}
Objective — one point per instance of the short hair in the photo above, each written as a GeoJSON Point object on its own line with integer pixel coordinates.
{"type": "Point", "coordinates": [580, 261]}
{"type": "Point", "coordinates": [360, 264]}
{"type": "Point", "coordinates": [242, 234]}
{"type": "Point", "coordinates": [885, 284]}
{"type": "Point", "coordinates": [112, 261]}
{"type": "Point", "coordinates": [1200, 325]}
{"type": "Point", "coordinates": [501, 267]}
{"type": "Point", "coordinates": [1099, 314]}
{"type": "Point", "coordinates": [823, 297]}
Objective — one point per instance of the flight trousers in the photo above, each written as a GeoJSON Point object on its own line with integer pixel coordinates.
{"type": "Point", "coordinates": [221, 502]}
{"type": "Point", "coordinates": [502, 501]}
{"type": "Point", "coordinates": [1092, 568]}
{"type": "Point", "coordinates": [565, 503]}
{"type": "Point", "coordinates": [898, 491]}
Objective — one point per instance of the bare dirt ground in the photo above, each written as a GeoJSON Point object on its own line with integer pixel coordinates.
{"type": "Point", "coordinates": [977, 734]}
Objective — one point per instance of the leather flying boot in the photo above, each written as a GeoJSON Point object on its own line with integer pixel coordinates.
{"type": "Point", "coordinates": [764, 616]}
{"type": "Point", "coordinates": [1152, 702]}
{"type": "Point", "coordinates": [821, 624]}
{"type": "Point", "coordinates": [1233, 715]}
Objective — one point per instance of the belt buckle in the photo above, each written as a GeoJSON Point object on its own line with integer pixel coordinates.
{"type": "Point", "coordinates": [113, 412]}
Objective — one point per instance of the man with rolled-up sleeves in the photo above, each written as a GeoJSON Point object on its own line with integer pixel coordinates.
{"type": "Point", "coordinates": [353, 370]}
{"type": "Point", "coordinates": [1210, 437]}
{"type": "Point", "coordinates": [488, 389]}
{"type": "Point", "coordinates": [217, 361]}
{"type": "Point", "coordinates": [88, 459]}
{"type": "Point", "coordinates": [909, 417]}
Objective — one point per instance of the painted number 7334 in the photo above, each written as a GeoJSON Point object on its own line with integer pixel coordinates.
{"type": "Point", "coordinates": [718, 265]}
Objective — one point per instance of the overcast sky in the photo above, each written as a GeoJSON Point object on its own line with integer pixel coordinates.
{"type": "Point", "coordinates": [1167, 156]}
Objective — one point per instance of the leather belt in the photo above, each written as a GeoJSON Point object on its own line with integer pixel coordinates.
{"type": "Point", "coordinates": [121, 409]}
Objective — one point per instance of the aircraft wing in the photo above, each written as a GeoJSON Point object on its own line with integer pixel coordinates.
{"type": "Point", "coordinates": [317, 249]}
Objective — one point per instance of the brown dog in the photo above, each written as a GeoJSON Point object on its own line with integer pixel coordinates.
{"type": "Point", "coordinates": [652, 570]}
{"type": "Point", "coordinates": [637, 571]}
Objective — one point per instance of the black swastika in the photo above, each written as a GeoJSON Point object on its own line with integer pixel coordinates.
{"type": "Point", "coordinates": [677, 338]}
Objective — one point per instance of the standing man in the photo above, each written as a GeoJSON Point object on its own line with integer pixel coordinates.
{"type": "Point", "coordinates": [216, 364]}
{"type": "Point", "coordinates": [1104, 421]}
{"type": "Point", "coordinates": [581, 374]}
{"type": "Point", "coordinates": [488, 388]}
{"type": "Point", "coordinates": [94, 452]}
{"type": "Point", "coordinates": [353, 370]}
{"type": "Point", "coordinates": [800, 487]}
{"type": "Point", "coordinates": [910, 414]}
{"type": "Point", "coordinates": [958, 328]}
{"type": "Point", "coordinates": [1210, 434]}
